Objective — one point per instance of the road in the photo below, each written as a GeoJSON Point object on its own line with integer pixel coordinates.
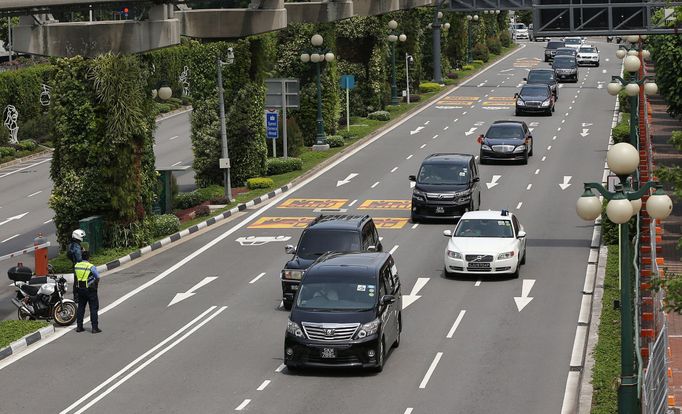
{"type": "Point", "coordinates": [26, 189]}
{"type": "Point", "coordinates": [466, 348]}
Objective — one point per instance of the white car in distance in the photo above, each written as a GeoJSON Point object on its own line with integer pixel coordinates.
{"type": "Point", "coordinates": [519, 31]}
{"type": "Point", "coordinates": [587, 55]}
{"type": "Point", "coordinates": [573, 42]}
{"type": "Point", "coordinates": [486, 242]}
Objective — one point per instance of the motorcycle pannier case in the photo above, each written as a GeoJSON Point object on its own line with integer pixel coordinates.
{"type": "Point", "coordinates": [20, 273]}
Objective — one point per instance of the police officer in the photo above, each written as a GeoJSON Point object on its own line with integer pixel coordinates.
{"type": "Point", "coordinates": [87, 280]}
{"type": "Point", "coordinates": [75, 253]}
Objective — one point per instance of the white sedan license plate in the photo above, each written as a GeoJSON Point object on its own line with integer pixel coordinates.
{"type": "Point", "coordinates": [328, 353]}
{"type": "Point", "coordinates": [440, 210]}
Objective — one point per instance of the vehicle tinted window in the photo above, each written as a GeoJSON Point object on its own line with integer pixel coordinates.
{"type": "Point", "coordinates": [540, 76]}
{"type": "Point", "coordinates": [348, 293]}
{"type": "Point", "coordinates": [505, 131]}
{"type": "Point", "coordinates": [562, 51]}
{"type": "Point", "coordinates": [315, 243]}
{"type": "Point", "coordinates": [515, 222]}
{"type": "Point", "coordinates": [572, 41]}
{"type": "Point", "coordinates": [555, 45]}
{"type": "Point", "coordinates": [484, 228]}
{"type": "Point", "coordinates": [534, 91]}
{"type": "Point", "coordinates": [519, 26]}
{"type": "Point", "coordinates": [444, 174]}
{"type": "Point", "coordinates": [587, 50]}
{"type": "Point", "coordinates": [564, 63]}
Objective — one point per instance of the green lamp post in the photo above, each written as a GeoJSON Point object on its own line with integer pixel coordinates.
{"type": "Point", "coordinates": [317, 54]}
{"type": "Point", "coordinates": [393, 38]}
{"type": "Point", "coordinates": [471, 19]}
{"type": "Point", "coordinates": [623, 160]}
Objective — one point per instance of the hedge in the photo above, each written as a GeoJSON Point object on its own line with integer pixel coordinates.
{"type": "Point", "coordinates": [276, 166]}
{"type": "Point", "coordinates": [335, 141]}
{"type": "Point", "coordinates": [379, 116]}
{"type": "Point", "coordinates": [7, 152]}
{"type": "Point", "coordinates": [621, 132]}
{"type": "Point", "coordinates": [429, 87]}
{"type": "Point", "coordinates": [165, 225]}
{"type": "Point", "coordinates": [184, 201]}
{"type": "Point", "coordinates": [259, 182]}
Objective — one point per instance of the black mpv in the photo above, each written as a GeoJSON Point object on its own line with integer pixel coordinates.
{"type": "Point", "coordinates": [330, 233]}
{"type": "Point", "coordinates": [446, 186]}
{"type": "Point", "coordinates": [347, 313]}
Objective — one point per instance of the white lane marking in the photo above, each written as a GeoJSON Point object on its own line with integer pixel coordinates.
{"type": "Point", "coordinates": [432, 368]}
{"type": "Point", "coordinates": [408, 410]}
{"type": "Point", "coordinates": [394, 248]}
{"type": "Point", "coordinates": [456, 119]}
{"type": "Point", "coordinates": [352, 203]}
{"type": "Point", "coordinates": [529, 187]}
{"type": "Point", "coordinates": [577, 92]}
{"type": "Point", "coordinates": [603, 71]}
{"type": "Point", "coordinates": [381, 238]}
{"type": "Point", "coordinates": [140, 358]}
{"type": "Point", "coordinates": [263, 385]}
{"type": "Point", "coordinates": [537, 171]}
{"type": "Point", "coordinates": [563, 120]}
{"type": "Point", "coordinates": [427, 122]}
{"type": "Point", "coordinates": [423, 145]}
{"type": "Point", "coordinates": [476, 157]}
{"type": "Point", "coordinates": [34, 194]}
{"type": "Point", "coordinates": [446, 128]}
{"type": "Point", "coordinates": [375, 184]}
{"type": "Point", "coordinates": [549, 147]}
{"type": "Point", "coordinates": [394, 169]}
{"type": "Point", "coordinates": [177, 163]}
{"type": "Point", "coordinates": [566, 114]}
{"type": "Point", "coordinates": [464, 113]}
{"type": "Point", "coordinates": [255, 279]}
{"type": "Point", "coordinates": [173, 137]}
{"type": "Point", "coordinates": [478, 283]}
{"type": "Point", "coordinates": [518, 206]}
{"type": "Point", "coordinates": [23, 168]}
{"type": "Point", "coordinates": [280, 368]}
{"type": "Point", "coordinates": [415, 226]}
{"type": "Point", "coordinates": [573, 101]}
{"type": "Point", "coordinates": [543, 158]}
{"type": "Point", "coordinates": [409, 156]}
{"type": "Point", "coordinates": [10, 238]}
{"type": "Point", "coordinates": [435, 136]}
{"type": "Point", "coordinates": [554, 137]}
{"type": "Point", "coordinates": [48, 221]}
{"type": "Point", "coordinates": [570, 107]}
{"type": "Point", "coordinates": [558, 129]}
{"type": "Point", "coordinates": [486, 95]}
{"type": "Point", "coordinates": [243, 405]}
{"type": "Point", "coordinates": [456, 324]}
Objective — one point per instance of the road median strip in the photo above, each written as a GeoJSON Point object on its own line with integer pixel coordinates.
{"type": "Point", "coordinates": [18, 345]}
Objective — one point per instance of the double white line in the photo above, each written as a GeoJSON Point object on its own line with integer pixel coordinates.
{"type": "Point", "coordinates": [150, 357]}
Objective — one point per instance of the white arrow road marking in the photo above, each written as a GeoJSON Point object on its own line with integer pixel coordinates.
{"type": "Point", "coordinates": [585, 132]}
{"type": "Point", "coordinates": [346, 180]}
{"type": "Point", "coordinates": [480, 84]}
{"type": "Point", "coordinates": [603, 71]}
{"type": "Point", "coordinates": [416, 131]}
{"type": "Point", "coordinates": [479, 123]}
{"type": "Point", "coordinates": [524, 300]}
{"type": "Point", "coordinates": [470, 131]}
{"type": "Point", "coordinates": [586, 124]}
{"type": "Point", "coordinates": [534, 124]}
{"type": "Point", "coordinates": [260, 240]}
{"type": "Point", "coordinates": [17, 217]}
{"type": "Point", "coordinates": [531, 129]}
{"type": "Point", "coordinates": [493, 182]}
{"type": "Point", "coordinates": [566, 183]}
{"type": "Point", "coordinates": [600, 86]}
{"type": "Point", "coordinates": [561, 85]}
{"type": "Point", "coordinates": [413, 296]}
{"type": "Point", "coordinates": [506, 70]}
{"type": "Point", "coordinates": [182, 296]}
{"type": "Point", "coordinates": [427, 122]}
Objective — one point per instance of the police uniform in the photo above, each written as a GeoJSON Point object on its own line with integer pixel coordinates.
{"type": "Point", "coordinates": [87, 280]}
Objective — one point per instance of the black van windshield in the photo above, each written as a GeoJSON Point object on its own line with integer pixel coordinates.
{"type": "Point", "coordinates": [540, 76]}
{"type": "Point", "coordinates": [356, 294]}
{"type": "Point", "coordinates": [315, 243]}
{"type": "Point", "coordinates": [444, 174]}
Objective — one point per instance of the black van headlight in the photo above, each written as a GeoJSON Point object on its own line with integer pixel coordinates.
{"type": "Point", "coordinates": [370, 328]}
{"type": "Point", "coordinates": [294, 329]}
{"type": "Point", "coordinates": [292, 274]}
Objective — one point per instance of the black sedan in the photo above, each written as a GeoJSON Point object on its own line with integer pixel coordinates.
{"type": "Point", "coordinates": [545, 76]}
{"type": "Point", "coordinates": [506, 141]}
{"type": "Point", "coordinates": [535, 98]}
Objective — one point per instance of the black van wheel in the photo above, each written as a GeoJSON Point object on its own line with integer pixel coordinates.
{"type": "Point", "coordinates": [380, 357]}
{"type": "Point", "coordinates": [396, 344]}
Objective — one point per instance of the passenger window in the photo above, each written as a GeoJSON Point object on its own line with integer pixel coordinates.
{"type": "Point", "coordinates": [366, 237]}
{"type": "Point", "coordinates": [515, 223]}
{"type": "Point", "coordinates": [387, 279]}
{"type": "Point", "coordinates": [382, 287]}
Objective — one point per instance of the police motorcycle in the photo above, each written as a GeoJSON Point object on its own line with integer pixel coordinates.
{"type": "Point", "coordinates": [41, 297]}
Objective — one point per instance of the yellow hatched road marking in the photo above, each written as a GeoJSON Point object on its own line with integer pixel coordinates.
{"type": "Point", "coordinates": [390, 222]}
{"type": "Point", "coordinates": [281, 223]}
{"type": "Point", "coordinates": [313, 203]}
{"type": "Point", "coordinates": [386, 205]}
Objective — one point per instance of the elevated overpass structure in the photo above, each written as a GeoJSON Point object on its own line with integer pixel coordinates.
{"type": "Point", "coordinates": [163, 22]}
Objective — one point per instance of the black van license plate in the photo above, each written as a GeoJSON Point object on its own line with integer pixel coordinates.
{"type": "Point", "coordinates": [328, 353]}
{"type": "Point", "coordinates": [440, 210]}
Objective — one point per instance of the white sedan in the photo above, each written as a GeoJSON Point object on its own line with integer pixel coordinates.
{"type": "Point", "coordinates": [588, 55]}
{"type": "Point", "coordinates": [486, 242]}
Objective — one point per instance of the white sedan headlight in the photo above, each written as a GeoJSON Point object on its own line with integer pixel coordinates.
{"type": "Point", "coordinates": [454, 255]}
{"type": "Point", "coordinates": [294, 329]}
{"type": "Point", "coordinates": [505, 255]}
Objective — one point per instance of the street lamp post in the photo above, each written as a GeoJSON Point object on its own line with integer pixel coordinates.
{"type": "Point", "coordinates": [393, 38]}
{"type": "Point", "coordinates": [317, 55]}
{"type": "Point", "coordinates": [408, 59]}
{"type": "Point", "coordinates": [470, 20]}
{"type": "Point", "coordinates": [623, 160]}
{"type": "Point", "coordinates": [436, 25]}
{"type": "Point", "coordinates": [225, 161]}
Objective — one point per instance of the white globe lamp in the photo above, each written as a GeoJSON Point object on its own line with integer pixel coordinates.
{"type": "Point", "coordinates": [622, 158]}
{"type": "Point", "coordinates": [588, 206]}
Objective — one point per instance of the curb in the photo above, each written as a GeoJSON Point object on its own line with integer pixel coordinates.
{"type": "Point", "coordinates": [179, 111]}
{"type": "Point", "coordinates": [186, 232]}
{"type": "Point", "coordinates": [21, 344]}
{"type": "Point", "coordinates": [26, 158]}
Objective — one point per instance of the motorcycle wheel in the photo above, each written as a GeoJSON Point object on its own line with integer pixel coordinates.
{"type": "Point", "coordinates": [64, 314]}
{"type": "Point", "coordinates": [23, 316]}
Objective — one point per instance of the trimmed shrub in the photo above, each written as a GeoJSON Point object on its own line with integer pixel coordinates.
{"type": "Point", "coordinates": [494, 45]}
{"type": "Point", "coordinates": [186, 200]}
{"type": "Point", "coordinates": [210, 192]}
{"type": "Point", "coordinates": [621, 133]}
{"type": "Point", "coordinates": [26, 145]}
{"type": "Point", "coordinates": [276, 166]}
{"type": "Point", "coordinates": [480, 52]}
{"type": "Point", "coordinates": [477, 62]}
{"type": "Point", "coordinates": [468, 67]}
{"type": "Point", "coordinates": [379, 116]}
{"type": "Point", "coordinates": [623, 101]}
{"type": "Point", "coordinates": [335, 141]}
{"type": "Point", "coordinates": [202, 211]}
{"type": "Point", "coordinates": [222, 200]}
{"type": "Point", "coordinates": [343, 133]}
{"type": "Point", "coordinates": [7, 152]}
{"type": "Point", "coordinates": [165, 224]}
{"type": "Point", "coordinates": [505, 39]}
{"type": "Point", "coordinates": [163, 108]}
{"type": "Point", "coordinates": [259, 182]}
{"type": "Point", "coordinates": [427, 87]}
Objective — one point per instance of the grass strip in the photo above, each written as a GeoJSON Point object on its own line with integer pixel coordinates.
{"type": "Point", "coordinates": [11, 331]}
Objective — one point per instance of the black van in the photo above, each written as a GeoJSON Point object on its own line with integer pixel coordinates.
{"type": "Point", "coordinates": [327, 233]}
{"type": "Point", "coordinates": [446, 186]}
{"type": "Point", "coordinates": [347, 313]}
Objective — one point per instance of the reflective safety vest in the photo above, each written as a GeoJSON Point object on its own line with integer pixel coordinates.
{"type": "Point", "coordinates": [82, 270]}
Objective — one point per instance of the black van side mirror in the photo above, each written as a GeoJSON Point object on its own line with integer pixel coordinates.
{"type": "Point", "coordinates": [476, 179]}
{"type": "Point", "coordinates": [387, 299]}
{"type": "Point", "coordinates": [412, 178]}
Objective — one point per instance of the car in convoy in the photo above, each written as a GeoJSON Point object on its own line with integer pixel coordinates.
{"type": "Point", "coordinates": [486, 242]}
{"type": "Point", "coordinates": [327, 233]}
{"type": "Point", "coordinates": [566, 51]}
{"type": "Point", "coordinates": [519, 31]}
{"type": "Point", "coordinates": [565, 68]}
{"type": "Point", "coordinates": [544, 76]}
{"type": "Point", "coordinates": [533, 38]}
{"type": "Point", "coordinates": [551, 47]}
{"type": "Point", "coordinates": [506, 141]}
{"type": "Point", "coordinates": [347, 313]}
{"type": "Point", "coordinates": [573, 42]}
{"type": "Point", "coordinates": [588, 55]}
{"type": "Point", "coordinates": [536, 98]}
{"type": "Point", "coordinates": [446, 186]}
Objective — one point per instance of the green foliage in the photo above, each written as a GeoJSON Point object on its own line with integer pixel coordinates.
{"type": "Point", "coordinates": [276, 166]}
{"type": "Point", "coordinates": [671, 176]}
{"type": "Point", "coordinates": [184, 201]}
{"type": "Point", "coordinates": [259, 182]}
{"type": "Point", "coordinates": [623, 101]}
{"type": "Point", "coordinates": [26, 145]}
{"type": "Point", "coordinates": [609, 230]}
{"type": "Point", "coordinates": [380, 116]}
{"type": "Point", "coordinates": [666, 51]}
{"type": "Point", "coordinates": [164, 225]}
{"type": "Point", "coordinates": [494, 45]}
{"type": "Point", "coordinates": [468, 67]}
{"type": "Point", "coordinates": [38, 129]}
{"type": "Point", "coordinates": [335, 141]}
{"type": "Point", "coordinates": [136, 234]}
{"type": "Point", "coordinates": [505, 39]}
{"type": "Point", "coordinates": [163, 107]}
{"type": "Point", "coordinates": [202, 211]}
{"type": "Point", "coordinates": [621, 132]}
{"type": "Point", "coordinates": [210, 193]}
{"type": "Point", "coordinates": [477, 62]}
{"type": "Point", "coordinates": [427, 87]}
{"type": "Point", "coordinates": [676, 140]}
{"type": "Point", "coordinates": [480, 52]}
{"type": "Point", "coordinates": [7, 152]}
{"type": "Point", "coordinates": [452, 75]}
{"type": "Point", "coordinates": [11, 331]}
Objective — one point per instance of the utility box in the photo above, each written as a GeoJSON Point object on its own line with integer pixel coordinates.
{"type": "Point", "coordinates": [94, 232]}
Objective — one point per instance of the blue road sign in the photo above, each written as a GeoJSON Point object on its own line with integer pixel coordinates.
{"type": "Point", "coordinates": [271, 123]}
{"type": "Point", "coordinates": [347, 81]}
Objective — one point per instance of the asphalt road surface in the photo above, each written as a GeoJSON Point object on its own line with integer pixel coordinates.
{"type": "Point", "coordinates": [26, 189]}
{"type": "Point", "coordinates": [466, 347]}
